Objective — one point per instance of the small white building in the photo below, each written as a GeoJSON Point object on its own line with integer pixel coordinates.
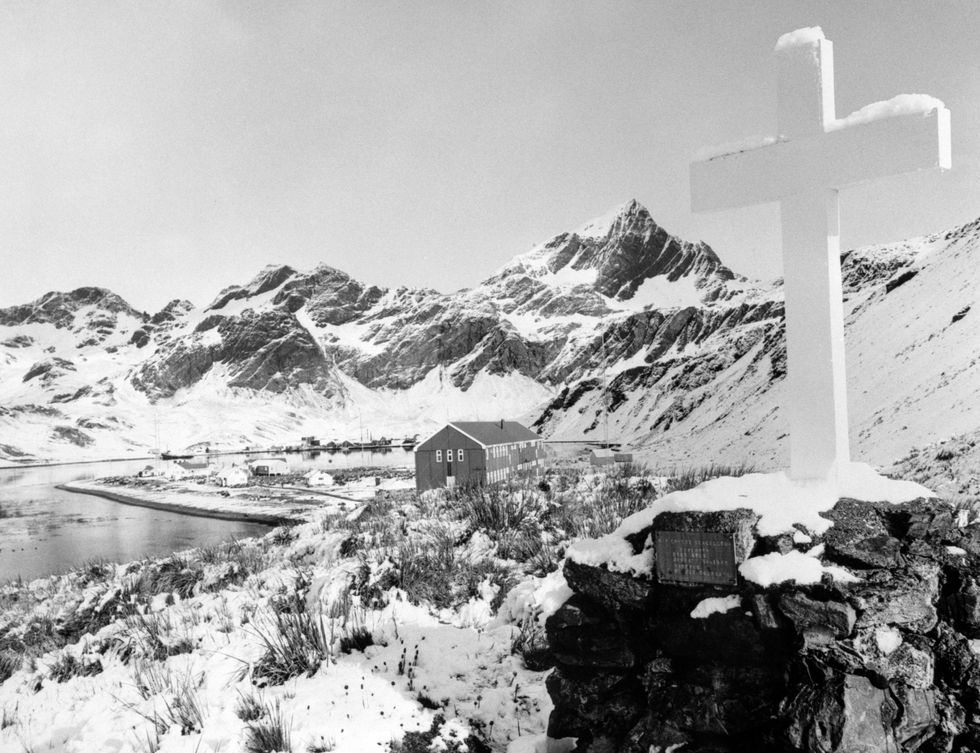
{"type": "Point", "coordinates": [601, 456]}
{"type": "Point", "coordinates": [233, 476]}
{"type": "Point", "coordinates": [176, 472]}
{"type": "Point", "coordinates": [318, 477]}
{"type": "Point", "coordinates": [269, 467]}
{"type": "Point", "coordinates": [149, 472]}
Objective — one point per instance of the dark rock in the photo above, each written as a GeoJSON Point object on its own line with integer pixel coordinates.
{"type": "Point", "coordinates": [72, 435]}
{"type": "Point", "coordinates": [610, 589]}
{"type": "Point", "coordinates": [766, 616]}
{"type": "Point", "coordinates": [591, 701]}
{"type": "Point", "coordinates": [140, 338]}
{"type": "Point", "coordinates": [581, 634]}
{"type": "Point", "coordinates": [810, 615]}
{"type": "Point", "coordinates": [48, 369]}
{"type": "Point", "coordinates": [717, 699]}
{"type": "Point", "coordinates": [918, 717]}
{"type": "Point", "coordinates": [18, 341]}
{"type": "Point", "coordinates": [209, 322]}
{"type": "Point", "coordinates": [872, 552]}
{"type": "Point", "coordinates": [853, 519]}
{"type": "Point", "coordinates": [845, 715]}
{"type": "Point", "coordinates": [732, 637]}
{"type": "Point", "coordinates": [905, 599]}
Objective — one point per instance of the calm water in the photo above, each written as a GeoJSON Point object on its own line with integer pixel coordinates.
{"type": "Point", "coordinates": [44, 530]}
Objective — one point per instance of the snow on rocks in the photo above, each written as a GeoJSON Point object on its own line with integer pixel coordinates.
{"type": "Point", "coordinates": [887, 639]}
{"type": "Point", "coordinates": [782, 505]}
{"type": "Point", "coordinates": [715, 605]}
{"type": "Point", "coordinates": [535, 597]}
{"type": "Point", "coordinates": [800, 568]}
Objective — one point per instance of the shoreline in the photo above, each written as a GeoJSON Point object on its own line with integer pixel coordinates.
{"type": "Point", "coordinates": [14, 465]}
{"type": "Point", "coordinates": [199, 512]}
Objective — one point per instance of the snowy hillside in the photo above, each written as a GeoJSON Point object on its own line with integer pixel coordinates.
{"type": "Point", "coordinates": [691, 354]}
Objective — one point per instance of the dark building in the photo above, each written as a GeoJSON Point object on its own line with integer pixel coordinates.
{"type": "Point", "coordinates": [475, 452]}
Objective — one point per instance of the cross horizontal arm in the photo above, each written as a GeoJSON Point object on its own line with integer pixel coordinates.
{"type": "Point", "coordinates": [888, 146]}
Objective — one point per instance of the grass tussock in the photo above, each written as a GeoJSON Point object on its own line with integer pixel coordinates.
{"type": "Point", "coordinates": [270, 733]}
{"type": "Point", "coordinates": [249, 707]}
{"type": "Point", "coordinates": [10, 662]}
{"type": "Point", "coordinates": [67, 665]}
{"type": "Point", "coordinates": [355, 639]}
{"type": "Point", "coordinates": [7, 718]}
{"type": "Point", "coordinates": [687, 478]}
{"type": "Point", "coordinates": [155, 636]}
{"type": "Point", "coordinates": [176, 700]}
{"type": "Point", "coordinates": [296, 643]}
{"type": "Point", "coordinates": [531, 644]}
{"type": "Point", "coordinates": [497, 511]}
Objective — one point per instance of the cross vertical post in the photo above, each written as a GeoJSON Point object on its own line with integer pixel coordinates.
{"type": "Point", "coordinates": [811, 275]}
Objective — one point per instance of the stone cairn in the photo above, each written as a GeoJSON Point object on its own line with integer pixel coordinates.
{"type": "Point", "coordinates": [885, 663]}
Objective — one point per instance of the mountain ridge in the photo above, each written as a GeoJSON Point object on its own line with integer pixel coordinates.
{"type": "Point", "coordinates": [690, 351]}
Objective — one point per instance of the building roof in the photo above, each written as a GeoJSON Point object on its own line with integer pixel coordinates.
{"type": "Point", "coordinates": [490, 433]}
{"type": "Point", "coordinates": [602, 452]}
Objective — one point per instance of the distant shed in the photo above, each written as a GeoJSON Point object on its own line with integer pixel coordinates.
{"type": "Point", "coordinates": [601, 456]}
{"type": "Point", "coordinates": [193, 465]}
{"type": "Point", "coordinates": [232, 476]}
{"type": "Point", "coordinates": [318, 477]}
{"type": "Point", "coordinates": [269, 467]}
{"type": "Point", "coordinates": [475, 453]}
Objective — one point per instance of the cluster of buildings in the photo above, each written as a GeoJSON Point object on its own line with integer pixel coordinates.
{"type": "Point", "coordinates": [462, 453]}
{"type": "Point", "coordinates": [486, 452]}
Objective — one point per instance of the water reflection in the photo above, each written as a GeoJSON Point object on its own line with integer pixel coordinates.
{"type": "Point", "coordinates": [44, 530]}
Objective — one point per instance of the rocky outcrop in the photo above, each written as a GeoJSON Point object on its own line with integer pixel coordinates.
{"type": "Point", "coordinates": [60, 309]}
{"type": "Point", "coordinates": [880, 659]}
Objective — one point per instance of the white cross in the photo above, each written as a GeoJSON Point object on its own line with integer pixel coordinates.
{"type": "Point", "coordinates": [815, 155]}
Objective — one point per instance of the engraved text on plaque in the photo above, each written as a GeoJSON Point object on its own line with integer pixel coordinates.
{"type": "Point", "coordinates": [696, 557]}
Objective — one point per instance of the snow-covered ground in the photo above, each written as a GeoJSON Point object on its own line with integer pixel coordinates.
{"type": "Point", "coordinates": [185, 689]}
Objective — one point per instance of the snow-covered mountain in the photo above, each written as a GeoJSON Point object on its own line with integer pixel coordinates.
{"type": "Point", "coordinates": [687, 355]}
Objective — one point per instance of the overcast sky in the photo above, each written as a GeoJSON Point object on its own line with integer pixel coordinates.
{"type": "Point", "coordinates": [169, 149]}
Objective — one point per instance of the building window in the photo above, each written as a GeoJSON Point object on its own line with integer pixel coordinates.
{"type": "Point", "coordinates": [459, 455]}
{"type": "Point", "coordinates": [438, 456]}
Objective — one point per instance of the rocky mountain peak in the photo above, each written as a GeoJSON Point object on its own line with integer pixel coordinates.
{"type": "Point", "coordinates": [630, 217]}
{"type": "Point", "coordinates": [615, 254]}
{"type": "Point", "coordinates": [59, 308]}
{"type": "Point", "coordinates": [270, 278]}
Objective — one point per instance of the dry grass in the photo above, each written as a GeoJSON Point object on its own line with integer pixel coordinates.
{"type": "Point", "coordinates": [296, 643]}
{"type": "Point", "coordinates": [271, 733]}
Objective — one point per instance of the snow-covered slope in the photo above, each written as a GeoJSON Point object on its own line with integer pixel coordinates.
{"type": "Point", "coordinates": [691, 354]}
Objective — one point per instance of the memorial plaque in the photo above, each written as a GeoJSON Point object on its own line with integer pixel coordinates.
{"type": "Point", "coordinates": [696, 557]}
